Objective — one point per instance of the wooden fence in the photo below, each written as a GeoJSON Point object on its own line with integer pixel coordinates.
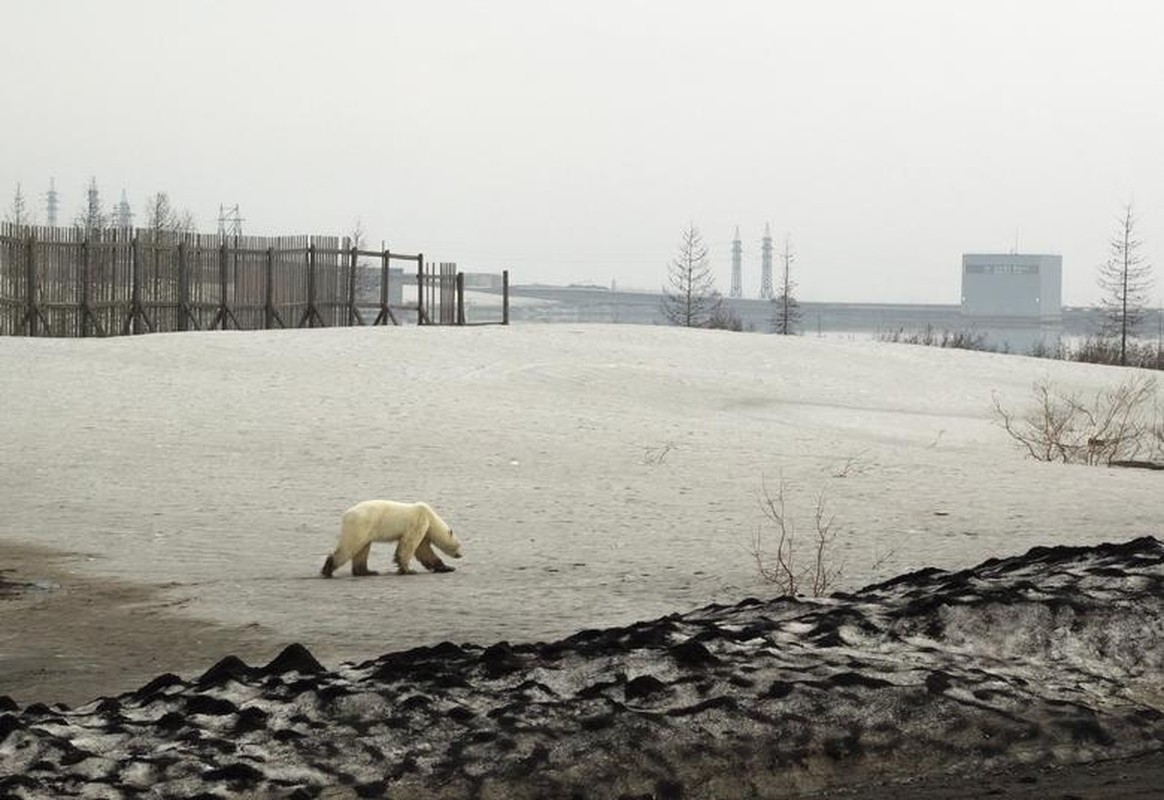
{"type": "Point", "coordinates": [69, 282]}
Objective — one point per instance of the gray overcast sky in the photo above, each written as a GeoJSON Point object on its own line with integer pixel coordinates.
{"type": "Point", "coordinates": [571, 142]}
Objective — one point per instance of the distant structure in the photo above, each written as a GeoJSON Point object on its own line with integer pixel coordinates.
{"type": "Point", "coordinates": [766, 265]}
{"type": "Point", "coordinates": [94, 218]}
{"type": "Point", "coordinates": [122, 215]}
{"type": "Point", "coordinates": [229, 221]}
{"type": "Point", "coordinates": [737, 289]}
{"type": "Point", "coordinates": [1015, 299]}
{"type": "Point", "coordinates": [52, 203]}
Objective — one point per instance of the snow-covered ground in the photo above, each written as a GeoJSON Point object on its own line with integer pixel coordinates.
{"type": "Point", "coordinates": [597, 475]}
{"type": "Point", "coordinates": [1044, 660]}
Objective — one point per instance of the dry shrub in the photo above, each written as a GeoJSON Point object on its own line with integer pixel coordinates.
{"type": "Point", "coordinates": [930, 337]}
{"type": "Point", "coordinates": [815, 577]}
{"type": "Point", "coordinates": [1117, 425]}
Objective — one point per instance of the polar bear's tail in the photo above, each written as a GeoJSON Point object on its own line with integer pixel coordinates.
{"type": "Point", "coordinates": [328, 567]}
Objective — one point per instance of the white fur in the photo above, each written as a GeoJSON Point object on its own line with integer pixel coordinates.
{"type": "Point", "coordinates": [415, 528]}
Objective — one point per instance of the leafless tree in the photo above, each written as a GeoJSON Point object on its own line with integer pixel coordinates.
{"type": "Point", "coordinates": [163, 220]}
{"type": "Point", "coordinates": [358, 238]}
{"type": "Point", "coordinates": [786, 311]}
{"type": "Point", "coordinates": [821, 573]}
{"type": "Point", "coordinates": [690, 298]}
{"type": "Point", "coordinates": [357, 235]}
{"type": "Point", "coordinates": [92, 217]}
{"type": "Point", "coordinates": [18, 213]}
{"type": "Point", "coordinates": [1125, 278]}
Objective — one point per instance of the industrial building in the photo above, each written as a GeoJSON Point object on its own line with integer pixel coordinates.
{"type": "Point", "coordinates": [1014, 299]}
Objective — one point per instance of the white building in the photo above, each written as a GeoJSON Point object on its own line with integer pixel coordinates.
{"type": "Point", "coordinates": [1016, 299]}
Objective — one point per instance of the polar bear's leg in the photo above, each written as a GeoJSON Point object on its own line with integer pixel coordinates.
{"type": "Point", "coordinates": [406, 547]}
{"type": "Point", "coordinates": [404, 558]}
{"type": "Point", "coordinates": [350, 542]}
{"type": "Point", "coordinates": [360, 561]}
{"type": "Point", "coordinates": [336, 560]}
{"type": "Point", "coordinates": [427, 556]}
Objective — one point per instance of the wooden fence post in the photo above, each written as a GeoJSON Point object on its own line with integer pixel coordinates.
{"type": "Point", "coordinates": [136, 312]}
{"type": "Point", "coordinates": [219, 315]}
{"type": "Point", "coordinates": [185, 313]}
{"type": "Point", "coordinates": [311, 315]}
{"type": "Point", "coordinates": [135, 284]}
{"type": "Point", "coordinates": [32, 311]}
{"type": "Point", "coordinates": [420, 288]}
{"type": "Point", "coordinates": [505, 297]}
{"type": "Point", "coordinates": [460, 298]}
{"type": "Point", "coordinates": [352, 312]}
{"type": "Point", "coordinates": [86, 306]}
{"type": "Point", "coordinates": [380, 318]}
{"type": "Point", "coordinates": [183, 290]}
{"type": "Point", "coordinates": [89, 320]}
{"type": "Point", "coordinates": [310, 286]}
{"type": "Point", "coordinates": [385, 316]}
{"type": "Point", "coordinates": [222, 282]}
{"type": "Point", "coordinates": [269, 289]}
{"type": "Point", "coordinates": [224, 310]}
{"type": "Point", "coordinates": [385, 271]}
{"type": "Point", "coordinates": [448, 293]}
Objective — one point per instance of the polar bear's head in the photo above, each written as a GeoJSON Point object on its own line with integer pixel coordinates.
{"type": "Point", "coordinates": [445, 540]}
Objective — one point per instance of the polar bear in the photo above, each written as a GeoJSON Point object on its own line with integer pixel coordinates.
{"type": "Point", "coordinates": [415, 528]}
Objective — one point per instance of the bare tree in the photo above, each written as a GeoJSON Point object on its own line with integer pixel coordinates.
{"type": "Point", "coordinates": [367, 278]}
{"type": "Point", "coordinates": [357, 235]}
{"type": "Point", "coordinates": [162, 219]}
{"type": "Point", "coordinates": [1126, 278]}
{"type": "Point", "coordinates": [92, 217]}
{"type": "Point", "coordinates": [786, 311]}
{"type": "Point", "coordinates": [18, 213]}
{"type": "Point", "coordinates": [690, 298]}
{"type": "Point", "coordinates": [159, 214]}
{"type": "Point", "coordinates": [358, 238]}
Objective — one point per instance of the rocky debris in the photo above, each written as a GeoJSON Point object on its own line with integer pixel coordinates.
{"type": "Point", "coordinates": [1048, 658]}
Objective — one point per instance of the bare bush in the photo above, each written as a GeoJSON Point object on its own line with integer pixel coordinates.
{"type": "Point", "coordinates": [725, 318]}
{"type": "Point", "coordinates": [929, 337]}
{"type": "Point", "coordinates": [851, 466]}
{"type": "Point", "coordinates": [1116, 425]}
{"type": "Point", "coordinates": [821, 573]}
{"type": "Point", "coordinates": [1107, 350]}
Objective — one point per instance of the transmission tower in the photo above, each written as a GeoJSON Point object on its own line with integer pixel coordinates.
{"type": "Point", "coordinates": [52, 203]}
{"type": "Point", "coordinates": [766, 264]}
{"type": "Point", "coordinates": [95, 218]}
{"type": "Point", "coordinates": [122, 215]}
{"type": "Point", "coordinates": [230, 221]}
{"type": "Point", "coordinates": [737, 267]}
